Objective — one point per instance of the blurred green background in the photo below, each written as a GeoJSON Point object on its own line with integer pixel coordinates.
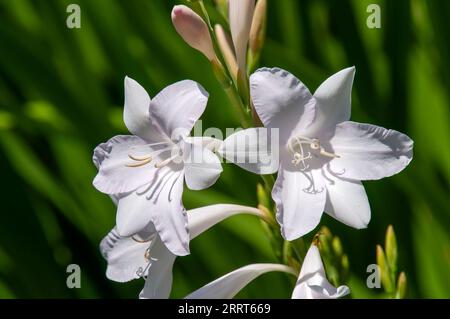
{"type": "Point", "coordinates": [61, 94]}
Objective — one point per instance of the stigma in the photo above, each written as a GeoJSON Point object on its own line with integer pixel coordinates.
{"type": "Point", "coordinates": [304, 149]}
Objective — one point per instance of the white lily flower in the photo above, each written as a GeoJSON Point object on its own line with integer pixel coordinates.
{"type": "Point", "coordinates": [146, 170]}
{"type": "Point", "coordinates": [241, 17]}
{"type": "Point", "coordinates": [145, 255]}
{"type": "Point", "coordinates": [323, 156]}
{"type": "Point", "coordinates": [311, 283]}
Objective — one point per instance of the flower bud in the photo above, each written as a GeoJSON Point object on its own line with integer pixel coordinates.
{"type": "Point", "coordinates": [401, 286]}
{"type": "Point", "coordinates": [391, 250]}
{"type": "Point", "coordinates": [194, 31]}
{"type": "Point", "coordinates": [263, 197]}
{"type": "Point", "coordinates": [226, 48]}
{"type": "Point", "coordinates": [258, 29]}
{"type": "Point", "coordinates": [241, 16]}
{"type": "Point", "coordinates": [385, 274]}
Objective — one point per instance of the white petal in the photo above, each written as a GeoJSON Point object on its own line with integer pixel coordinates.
{"type": "Point", "coordinates": [312, 282]}
{"type": "Point", "coordinates": [333, 100]}
{"type": "Point", "coordinates": [125, 256]}
{"type": "Point", "coordinates": [168, 214]}
{"type": "Point", "coordinates": [347, 202]}
{"type": "Point", "coordinates": [241, 16]}
{"type": "Point", "coordinates": [253, 149]}
{"type": "Point", "coordinates": [136, 113]}
{"type": "Point", "coordinates": [300, 200]}
{"type": "Point", "coordinates": [133, 213]}
{"type": "Point", "coordinates": [201, 219]}
{"type": "Point", "coordinates": [282, 101]}
{"type": "Point", "coordinates": [227, 286]}
{"type": "Point", "coordinates": [159, 278]}
{"type": "Point", "coordinates": [177, 107]}
{"type": "Point", "coordinates": [112, 158]}
{"type": "Point", "coordinates": [202, 167]}
{"type": "Point", "coordinates": [369, 152]}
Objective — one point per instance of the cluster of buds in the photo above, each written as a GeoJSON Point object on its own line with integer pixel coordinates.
{"type": "Point", "coordinates": [335, 260]}
{"type": "Point", "coordinates": [233, 55]}
{"type": "Point", "coordinates": [394, 286]}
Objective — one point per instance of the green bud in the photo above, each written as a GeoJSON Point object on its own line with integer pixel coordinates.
{"type": "Point", "coordinates": [263, 198]}
{"type": "Point", "coordinates": [324, 244]}
{"type": "Point", "coordinates": [385, 274]}
{"type": "Point", "coordinates": [401, 286]}
{"type": "Point", "coordinates": [345, 268]}
{"type": "Point", "coordinates": [337, 246]}
{"type": "Point", "coordinates": [391, 250]}
{"type": "Point", "coordinates": [325, 231]}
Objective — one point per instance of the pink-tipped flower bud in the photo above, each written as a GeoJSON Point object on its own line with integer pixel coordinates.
{"type": "Point", "coordinates": [194, 31]}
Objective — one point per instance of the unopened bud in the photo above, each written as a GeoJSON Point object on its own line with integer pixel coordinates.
{"type": "Point", "coordinates": [401, 286]}
{"type": "Point", "coordinates": [385, 274]}
{"type": "Point", "coordinates": [194, 31]}
{"type": "Point", "coordinates": [258, 29]}
{"type": "Point", "coordinates": [241, 17]}
{"type": "Point", "coordinates": [337, 246]}
{"type": "Point", "coordinates": [226, 47]}
{"type": "Point", "coordinates": [391, 250]}
{"type": "Point", "coordinates": [263, 198]}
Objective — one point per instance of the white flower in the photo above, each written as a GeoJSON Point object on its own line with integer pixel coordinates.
{"type": "Point", "coordinates": [145, 171]}
{"type": "Point", "coordinates": [311, 283]}
{"type": "Point", "coordinates": [241, 16]}
{"type": "Point", "coordinates": [145, 255]}
{"type": "Point", "coordinates": [323, 156]}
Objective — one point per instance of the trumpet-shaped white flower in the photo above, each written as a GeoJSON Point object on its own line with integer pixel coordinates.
{"type": "Point", "coordinates": [145, 255]}
{"type": "Point", "coordinates": [145, 171]}
{"type": "Point", "coordinates": [311, 283]}
{"type": "Point", "coordinates": [323, 156]}
{"type": "Point", "coordinates": [241, 17]}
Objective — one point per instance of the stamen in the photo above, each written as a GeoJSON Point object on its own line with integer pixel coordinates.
{"type": "Point", "coordinates": [139, 158]}
{"type": "Point", "coordinates": [295, 146]}
{"type": "Point", "coordinates": [166, 161]}
{"type": "Point", "coordinates": [142, 163]}
{"type": "Point", "coordinates": [145, 159]}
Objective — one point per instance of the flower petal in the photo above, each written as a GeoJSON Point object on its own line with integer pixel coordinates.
{"type": "Point", "coordinates": [282, 101]}
{"type": "Point", "coordinates": [168, 213]}
{"type": "Point", "coordinates": [159, 277]}
{"type": "Point", "coordinates": [312, 282]}
{"type": "Point", "coordinates": [227, 286]}
{"type": "Point", "coordinates": [177, 107]}
{"type": "Point", "coordinates": [202, 167]}
{"type": "Point", "coordinates": [369, 152]}
{"type": "Point", "coordinates": [253, 149]}
{"type": "Point", "coordinates": [333, 100]}
{"type": "Point", "coordinates": [347, 202]}
{"type": "Point", "coordinates": [133, 213]}
{"type": "Point", "coordinates": [159, 280]}
{"type": "Point", "coordinates": [201, 219]}
{"type": "Point", "coordinates": [112, 158]}
{"type": "Point", "coordinates": [136, 113]}
{"type": "Point", "coordinates": [125, 256]}
{"type": "Point", "coordinates": [300, 199]}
